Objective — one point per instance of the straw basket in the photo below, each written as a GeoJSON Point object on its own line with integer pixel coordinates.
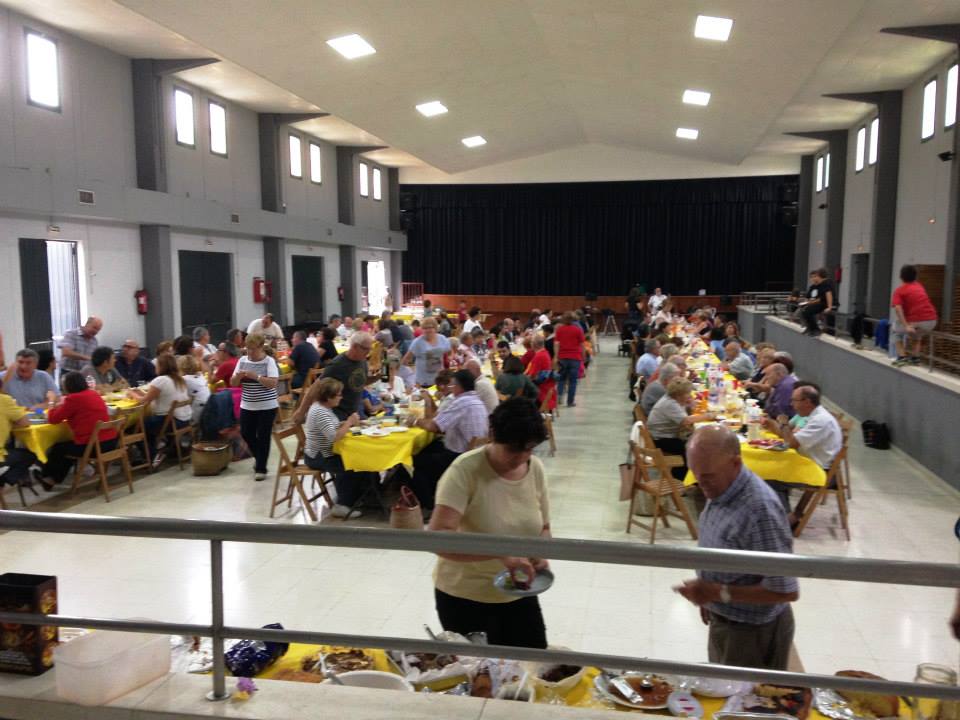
{"type": "Point", "coordinates": [210, 458]}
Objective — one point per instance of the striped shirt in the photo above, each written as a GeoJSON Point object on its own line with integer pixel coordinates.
{"type": "Point", "coordinates": [78, 342]}
{"type": "Point", "coordinates": [464, 419]}
{"type": "Point", "coordinates": [255, 396]}
{"type": "Point", "coordinates": [747, 516]}
{"type": "Point", "coordinates": [320, 428]}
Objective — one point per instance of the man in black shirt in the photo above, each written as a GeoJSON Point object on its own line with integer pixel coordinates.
{"type": "Point", "coordinates": [350, 368]}
{"type": "Point", "coordinates": [304, 356]}
{"type": "Point", "coordinates": [819, 299]}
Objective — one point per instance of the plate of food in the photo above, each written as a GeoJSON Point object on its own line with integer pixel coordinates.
{"type": "Point", "coordinates": [772, 700]}
{"type": "Point", "coordinates": [652, 690]}
{"type": "Point", "coordinates": [374, 432]}
{"type": "Point", "coordinates": [855, 705]}
{"type": "Point", "coordinates": [341, 660]}
{"type": "Point", "coordinates": [769, 444]}
{"type": "Point", "coordinates": [519, 585]}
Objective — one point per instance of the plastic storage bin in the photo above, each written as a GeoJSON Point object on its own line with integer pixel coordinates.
{"type": "Point", "coordinates": [102, 666]}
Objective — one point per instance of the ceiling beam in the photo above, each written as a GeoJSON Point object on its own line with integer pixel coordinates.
{"type": "Point", "coordinates": [871, 98]}
{"type": "Point", "coordinates": [824, 135]}
{"type": "Point", "coordinates": [361, 149]}
{"type": "Point", "coordinates": [166, 67]}
{"type": "Point", "coordinates": [291, 118]}
{"type": "Point", "coordinates": [945, 33]}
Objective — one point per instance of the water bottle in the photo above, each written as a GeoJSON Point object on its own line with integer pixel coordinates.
{"type": "Point", "coordinates": [91, 383]}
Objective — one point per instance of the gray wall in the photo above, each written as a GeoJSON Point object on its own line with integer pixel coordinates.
{"type": "Point", "coordinates": [916, 406]}
{"type": "Point", "coordinates": [302, 196]}
{"type": "Point", "coordinates": [858, 208]}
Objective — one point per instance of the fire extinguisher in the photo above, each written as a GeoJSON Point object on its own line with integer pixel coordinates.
{"type": "Point", "coordinates": [142, 304]}
{"type": "Point", "coordinates": [340, 293]}
{"type": "Point", "coordinates": [262, 290]}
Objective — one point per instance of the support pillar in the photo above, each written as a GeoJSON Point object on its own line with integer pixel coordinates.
{"type": "Point", "coordinates": [805, 204]}
{"type": "Point", "coordinates": [156, 259]}
{"type": "Point", "coordinates": [396, 278]}
{"type": "Point", "coordinates": [348, 280]}
{"type": "Point", "coordinates": [274, 251]}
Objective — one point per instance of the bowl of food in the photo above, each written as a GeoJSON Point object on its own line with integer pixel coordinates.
{"type": "Point", "coordinates": [557, 677]}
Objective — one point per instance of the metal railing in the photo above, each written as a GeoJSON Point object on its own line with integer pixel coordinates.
{"type": "Point", "coordinates": [216, 533]}
{"type": "Point", "coordinates": [770, 301]}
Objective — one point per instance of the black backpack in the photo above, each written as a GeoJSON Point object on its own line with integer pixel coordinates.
{"type": "Point", "coordinates": [876, 435]}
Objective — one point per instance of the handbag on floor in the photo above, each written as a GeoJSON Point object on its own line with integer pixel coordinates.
{"type": "Point", "coordinates": [405, 513]}
{"type": "Point", "coordinates": [876, 435]}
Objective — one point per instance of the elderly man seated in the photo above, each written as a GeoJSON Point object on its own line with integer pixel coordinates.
{"type": "Point", "coordinates": [345, 330]}
{"type": "Point", "coordinates": [482, 386]}
{"type": "Point", "coordinates": [780, 396]}
{"type": "Point", "coordinates": [304, 356]}
{"type": "Point", "coordinates": [464, 419]}
{"type": "Point", "coordinates": [820, 437]}
{"type": "Point", "coordinates": [267, 327]}
{"type": "Point", "coordinates": [736, 362]}
{"type": "Point", "coordinates": [101, 369]}
{"type": "Point", "coordinates": [648, 362]}
{"type": "Point", "coordinates": [658, 388]}
{"type": "Point", "coordinates": [30, 387]}
{"type": "Point", "coordinates": [136, 370]}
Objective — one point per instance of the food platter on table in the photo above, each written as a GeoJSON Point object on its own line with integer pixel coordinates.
{"type": "Point", "coordinates": [654, 698]}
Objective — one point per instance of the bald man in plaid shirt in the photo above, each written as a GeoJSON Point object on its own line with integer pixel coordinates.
{"type": "Point", "coordinates": [751, 623]}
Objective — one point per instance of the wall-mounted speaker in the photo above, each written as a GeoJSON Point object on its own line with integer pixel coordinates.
{"type": "Point", "coordinates": [409, 201]}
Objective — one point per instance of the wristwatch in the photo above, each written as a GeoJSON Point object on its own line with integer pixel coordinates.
{"type": "Point", "coordinates": [725, 594]}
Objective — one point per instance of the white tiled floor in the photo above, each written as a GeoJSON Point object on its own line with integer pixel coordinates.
{"type": "Point", "coordinates": [899, 511]}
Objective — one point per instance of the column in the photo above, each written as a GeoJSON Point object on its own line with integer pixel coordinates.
{"type": "Point", "coordinates": [802, 245]}
{"type": "Point", "coordinates": [156, 258]}
{"type": "Point", "coordinates": [396, 277]}
{"type": "Point", "coordinates": [348, 280]}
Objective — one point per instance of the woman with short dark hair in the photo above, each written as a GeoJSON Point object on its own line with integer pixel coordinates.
{"type": "Point", "coordinates": [500, 489]}
{"type": "Point", "coordinates": [513, 383]}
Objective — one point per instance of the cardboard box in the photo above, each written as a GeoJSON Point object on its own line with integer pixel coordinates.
{"type": "Point", "coordinates": [27, 649]}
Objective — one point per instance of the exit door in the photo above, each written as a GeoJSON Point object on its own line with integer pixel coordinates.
{"type": "Point", "coordinates": [206, 295]}
{"type": "Point", "coordinates": [307, 289]}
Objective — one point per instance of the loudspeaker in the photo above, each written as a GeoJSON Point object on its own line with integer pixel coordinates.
{"type": "Point", "coordinates": [409, 201]}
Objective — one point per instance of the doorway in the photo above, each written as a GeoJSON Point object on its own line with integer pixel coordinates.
{"type": "Point", "coordinates": [859, 286]}
{"type": "Point", "coordinates": [373, 285]}
{"type": "Point", "coordinates": [206, 296]}
{"type": "Point", "coordinates": [50, 290]}
{"type": "Point", "coordinates": [307, 289]}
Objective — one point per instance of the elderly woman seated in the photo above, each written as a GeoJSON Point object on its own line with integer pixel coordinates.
{"type": "Point", "coordinates": [512, 382]}
{"type": "Point", "coordinates": [101, 368]}
{"type": "Point", "coordinates": [670, 422]}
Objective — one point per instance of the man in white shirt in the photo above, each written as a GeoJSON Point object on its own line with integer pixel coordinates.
{"type": "Point", "coordinates": [346, 329]}
{"type": "Point", "coordinates": [472, 320]}
{"type": "Point", "coordinates": [483, 387]}
{"type": "Point", "coordinates": [267, 327]}
{"type": "Point", "coordinates": [820, 438]}
{"type": "Point", "coordinates": [656, 301]}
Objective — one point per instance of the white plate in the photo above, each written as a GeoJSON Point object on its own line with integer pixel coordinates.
{"type": "Point", "coordinates": [374, 432]}
{"type": "Point", "coordinates": [541, 582]}
{"type": "Point", "coordinates": [600, 684]}
{"type": "Point", "coordinates": [396, 429]}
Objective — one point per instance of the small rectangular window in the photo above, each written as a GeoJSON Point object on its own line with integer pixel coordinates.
{"type": "Point", "coordinates": [950, 102]}
{"type": "Point", "coordinates": [43, 71]}
{"type": "Point", "coordinates": [861, 148]}
{"type": "Point", "coordinates": [377, 192]}
{"type": "Point", "coordinates": [820, 173]}
{"type": "Point", "coordinates": [929, 121]}
{"type": "Point", "coordinates": [316, 170]}
{"type": "Point", "coordinates": [183, 106]}
{"type": "Point", "coordinates": [364, 181]}
{"type": "Point", "coordinates": [874, 140]}
{"type": "Point", "coordinates": [296, 157]}
{"type": "Point", "coordinates": [218, 128]}
{"type": "Point", "coordinates": [826, 171]}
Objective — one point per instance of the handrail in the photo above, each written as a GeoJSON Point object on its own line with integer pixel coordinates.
{"type": "Point", "coordinates": [217, 532]}
{"type": "Point", "coordinates": [900, 572]}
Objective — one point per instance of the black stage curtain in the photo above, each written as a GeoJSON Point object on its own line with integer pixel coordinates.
{"type": "Point", "coordinates": [725, 235]}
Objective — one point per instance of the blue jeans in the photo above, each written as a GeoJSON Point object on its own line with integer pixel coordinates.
{"type": "Point", "coordinates": [569, 373]}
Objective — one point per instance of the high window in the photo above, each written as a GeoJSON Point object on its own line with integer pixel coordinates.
{"type": "Point", "coordinates": [377, 190]}
{"type": "Point", "coordinates": [183, 107]}
{"type": "Point", "coordinates": [819, 184]}
{"type": "Point", "coordinates": [316, 171]}
{"type": "Point", "coordinates": [826, 171]}
{"type": "Point", "coordinates": [296, 159]}
{"type": "Point", "coordinates": [861, 148]}
{"type": "Point", "coordinates": [950, 102]}
{"type": "Point", "coordinates": [874, 140]}
{"type": "Point", "coordinates": [364, 181]}
{"type": "Point", "coordinates": [928, 122]}
{"type": "Point", "coordinates": [218, 128]}
{"type": "Point", "coordinates": [43, 72]}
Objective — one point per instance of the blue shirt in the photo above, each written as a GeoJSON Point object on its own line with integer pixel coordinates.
{"type": "Point", "coordinates": [140, 370]}
{"type": "Point", "coordinates": [30, 392]}
{"type": "Point", "coordinates": [747, 516]}
{"type": "Point", "coordinates": [780, 400]}
{"type": "Point", "coordinates": [647, 365]}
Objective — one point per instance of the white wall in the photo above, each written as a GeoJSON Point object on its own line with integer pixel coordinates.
{"type": "Point", "coordinates": [246, 262]}
{"type": "Point", "coordinates": [924, 185]}
{"type": "Point", "coordinates": [331, 276]}
{"type": "Point", "coordinates": [302, 196]}
{"type": "Point", "coordinates": [109, 269]}
{"type": "Point", "coordinates": [196, 172]}
{"type": "Point", "coordinates": [368, 212]}
{"type": "Point", "coordinates": [858, 208]}
{"type": "Point", "coordinates": [91, 137]}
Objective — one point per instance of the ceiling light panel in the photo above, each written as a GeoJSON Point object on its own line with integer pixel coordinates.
{"type": "Point", "coordinates": [351, 46]}
{"type": "Point", "coordinates": [429, 109]}
{"type": "Point", "coordinates": [696, 97]}
{"type": "Point", "coordinates": [474, 141]}
{"type": "Point", "coordinates": [688, 133]}
{"type": "Point", "coordinates": [713, 28]}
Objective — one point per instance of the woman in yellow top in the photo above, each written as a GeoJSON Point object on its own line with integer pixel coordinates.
{"type": "Point", "coordinates": [500, 489]}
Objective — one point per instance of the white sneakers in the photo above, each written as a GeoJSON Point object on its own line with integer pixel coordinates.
{"type": "Point", "coordinates": [342, 511]}
{"type": "Point", "coordinates": [259, 476]}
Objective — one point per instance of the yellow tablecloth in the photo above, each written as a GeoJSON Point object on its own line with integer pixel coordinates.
{"type": "Point", "coordinates": [40, 438]}
{"type": "Point", "coordinates": [788, 466]}
{"type": "Point", "coordinates": [298, 652]}
{"type": "Point", "coordinates": [373, 454]}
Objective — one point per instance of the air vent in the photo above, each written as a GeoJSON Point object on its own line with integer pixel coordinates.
{"type": "Point", "coordinates": [234, 218]}
{"type": "Point", "coordinates": [85, 197]}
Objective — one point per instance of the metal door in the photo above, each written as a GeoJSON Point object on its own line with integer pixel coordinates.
{"type": "Point", "coordinates": [859, 275]}
{"type": "Point", "coordinates": [307, 289]}
{"type": "Point", "coordinates": [206, 296]}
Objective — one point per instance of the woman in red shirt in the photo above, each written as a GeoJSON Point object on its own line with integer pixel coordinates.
{"type": "Point", "coordinates": [569, 340]}
{"type": "Point", "coordinates": [81, 408]}
{"type": "Point", "coordinates": [915, 314]}
{"type": "Point", "coordinates": [540, 371]}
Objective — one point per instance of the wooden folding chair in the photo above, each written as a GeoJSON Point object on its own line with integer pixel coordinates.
{"type": "Point", "coordinates": [172, 433]}
{"type": "Point", "coordinates": [135, 433]}
{"type": "Point", "coordinates": [295, 471]}
{"type": "Point", "coordinates": [312, 375]}
{"type": "Point", "coordinates": [287, 401]}
{"type": "Point", "coordinates": [94, 453]}
{"type": "Point", "coordinates": [835, 485]}
{"type": "Point", "coordinates": [651, 475]}
{"type": "Point", "coordinates": [548, 416]}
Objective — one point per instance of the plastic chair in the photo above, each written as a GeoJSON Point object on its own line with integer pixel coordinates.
{"type": "Point", "coordinates": [94, 453]}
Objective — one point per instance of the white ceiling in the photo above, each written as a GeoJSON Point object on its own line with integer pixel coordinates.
{"type": "Point", "coordinates": [534, 77]}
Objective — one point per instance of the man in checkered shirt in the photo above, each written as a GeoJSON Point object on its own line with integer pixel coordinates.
{"type": "Point", "coordinates": [751, 623]}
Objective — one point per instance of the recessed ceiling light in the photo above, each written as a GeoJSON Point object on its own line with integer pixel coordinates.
{"type": "Point", "coordinates": [696, 97]}
{"type": "Point", "coordinates": [713, 28]}
{"type": "Point", "coordinates": [429, 109]}
{"type": "Point", "coordinates": [474, 141]}
{"type": "Point", "coordinates": [351, 46]}
{"type": "Point", "coordinates": [688, 133]}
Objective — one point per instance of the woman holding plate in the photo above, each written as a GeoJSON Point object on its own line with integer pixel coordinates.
{"type": "Point", "coordinates": [500, 489]}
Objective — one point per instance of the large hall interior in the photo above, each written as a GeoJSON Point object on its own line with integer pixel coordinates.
{"type": "Point", "coordinates": [600, 356]}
